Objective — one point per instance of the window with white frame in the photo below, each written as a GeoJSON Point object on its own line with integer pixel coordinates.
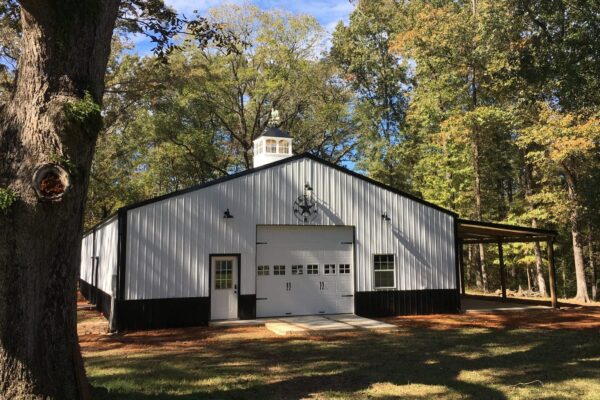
{"type": "Point", "coordinates": [344, 269]}
{"type": "Point", "coordinates": [329, 269]}
{"type": "Point", "coordinates": [263, 270]}
{"type": "Point", "coordinates": [271, 146]}
{"type": "Point", "coordinates": [297, 269]}
{"type": "Point", "coordinates": [384, 271]}
{"type": "Point", "coordinates": [278, 269]}
{"type": "Point", "coordinates": [284, 148]}
{"type": "Point", "coordinates": [312, 269]}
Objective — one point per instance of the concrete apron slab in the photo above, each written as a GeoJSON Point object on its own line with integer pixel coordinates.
{"type": "Point", "coordinates": [318, 324]}
{"type": "Point", "coordinates": [230, 323]}
{"type": "Point", "coordinates": [285, 328]}
{"type": "Point", "coordinates": [360, 322]}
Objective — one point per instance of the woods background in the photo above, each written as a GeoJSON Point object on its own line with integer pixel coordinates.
{"type": "Point", "coordinates": [488, 108]}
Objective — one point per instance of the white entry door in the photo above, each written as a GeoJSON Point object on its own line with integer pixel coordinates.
{"type": "Point", "coordinates": [223, 294]}
{"type": "Point", "coordinates": [304, 270]}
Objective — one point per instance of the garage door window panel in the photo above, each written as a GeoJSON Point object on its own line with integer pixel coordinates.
{"type": "Point", "coordinates": [312, 269]}
{"type": "Point", "coordinates": [344, 269]}
{"type": "Point", "coordinates": [263, 270]}
{"type": "Point", "coordinates": [278, 269]}
{"type": "Point", "coordinates": [329, 269]}
{"type": "Point", "coordinates": [384, 271]}
{"type": "Point", "coordinates": [297, 270]}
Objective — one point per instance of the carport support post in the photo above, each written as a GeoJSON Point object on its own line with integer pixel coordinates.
{"type": "Point", "coordinates": [552, 270]}
{"type": "Point", "coordinates": [461, 254]}
{"type": "Point", "coordinates": [502, 271]}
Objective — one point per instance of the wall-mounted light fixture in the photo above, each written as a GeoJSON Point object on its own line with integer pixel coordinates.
{"type": "Point", "coordinates": [307, 187]}
{"type": "Point", "coordinates": [227, 214]}
{"type": "Point", "coordinates": [385, 217]}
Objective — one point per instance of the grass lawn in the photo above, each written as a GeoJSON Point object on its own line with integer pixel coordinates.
{"type": "Point", "coordinates": [533, 354]}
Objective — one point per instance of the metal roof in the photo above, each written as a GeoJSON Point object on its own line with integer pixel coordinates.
{"type": "Point", "coordinates": [275, 132]}
{"type": "Point", "coordinates": [488, 232]}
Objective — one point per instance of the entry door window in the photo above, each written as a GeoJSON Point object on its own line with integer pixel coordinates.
{"type": "Point", "coordinates": [223, 274]}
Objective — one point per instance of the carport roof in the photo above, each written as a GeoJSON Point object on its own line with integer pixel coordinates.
{"type": "Point", "coordinates": [488, 232]}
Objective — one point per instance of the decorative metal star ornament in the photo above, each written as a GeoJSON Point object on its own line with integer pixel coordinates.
{"type": "Point", "coordinates": [305, 208]}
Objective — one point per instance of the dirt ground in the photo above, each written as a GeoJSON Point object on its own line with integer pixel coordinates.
{"type": "Point", "coordinates": [93, 327]}
{"type": "Point", "coordinates": [575, 318]}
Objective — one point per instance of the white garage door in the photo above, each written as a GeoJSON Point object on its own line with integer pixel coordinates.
{"type": "Point", "coordinates": [304, 270]}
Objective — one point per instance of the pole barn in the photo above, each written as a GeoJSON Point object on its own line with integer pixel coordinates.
{"type": "Point", "coordinates": [295, 235]}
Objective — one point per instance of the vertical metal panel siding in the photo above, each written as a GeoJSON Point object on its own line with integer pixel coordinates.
{"type": "Point", "coordinates": [169, 242]}
{"type": "Point", "coordinates": [85, 265]}
{"type": "Point", "coordinates": [106, 251]}
{"type": "Point", "coordinates": [106, 237]}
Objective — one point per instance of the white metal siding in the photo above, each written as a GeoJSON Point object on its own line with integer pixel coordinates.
{"type": "Point", "coordinates": [106, 249]}
{"type": "Point", "coordinates": [169, 241]}
{"type": "Point", "coordinates": [85, 266]}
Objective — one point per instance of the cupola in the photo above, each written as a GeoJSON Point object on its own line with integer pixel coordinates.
{"type": "Point", "coordinates": [273, 144]}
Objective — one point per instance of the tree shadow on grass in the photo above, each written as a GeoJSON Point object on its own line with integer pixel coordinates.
{"type": "Point", "coordinates": [350, 364]}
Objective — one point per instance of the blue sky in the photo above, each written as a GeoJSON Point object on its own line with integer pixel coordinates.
{"type": "Point", "coordinates": [327, 12]}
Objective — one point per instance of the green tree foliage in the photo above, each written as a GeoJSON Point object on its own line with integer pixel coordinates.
{"type": "Point", "coordinates": [380, 81]}
{"type": "Point", "coordinates": [193, 119]}
{"type": "Point", "coordinates": [486, 107]}
{"type": "Point", "coordinates": [503, 106]}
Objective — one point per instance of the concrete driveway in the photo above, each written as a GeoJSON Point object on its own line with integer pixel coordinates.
{"type": "Point", "coordinates": [315, 324]}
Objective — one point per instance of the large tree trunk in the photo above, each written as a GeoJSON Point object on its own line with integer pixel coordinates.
{"type": "Point", "coordinates": [476, 148]}
{"type": "Point", "coordinates": [593, 265]}
{"type": "Point", "coordinates": [478, 207]}
{"type": "Point", "coordinates": [50, 119]}
{"type": "Point", "coordinates": [574, 220]}
{"type": "Point", "coordinates": [539, 268]}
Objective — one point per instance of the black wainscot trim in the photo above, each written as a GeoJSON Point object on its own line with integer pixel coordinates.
{"type": "Point", "coordinates": [163, 313]}
{"type": "Point", "coordinates": [101, 300]}
{"type": "Point", "coordinates": [385, 303]}
{"type": "Point", "coordinates": [247, 306]}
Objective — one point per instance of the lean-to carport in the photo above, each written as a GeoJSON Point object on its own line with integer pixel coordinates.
{"type": "Point", "coordinates": [475, 232]}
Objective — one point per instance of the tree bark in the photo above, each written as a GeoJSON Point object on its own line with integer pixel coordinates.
{"type": "Point", "coordinates": [539, 266]}
{"type": "Point", "coordinates": [593, 265]}
{"type": "Point", "coordinates": [574, 220]}
{"type": "Point", "coordinates": [52, 117]}
{"type": "Point", "coordinates": [478, 208]}
{"type": "Point", "coordinates": [470, 266]}
{"type": "Point", "coordinates": [476, 148]}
